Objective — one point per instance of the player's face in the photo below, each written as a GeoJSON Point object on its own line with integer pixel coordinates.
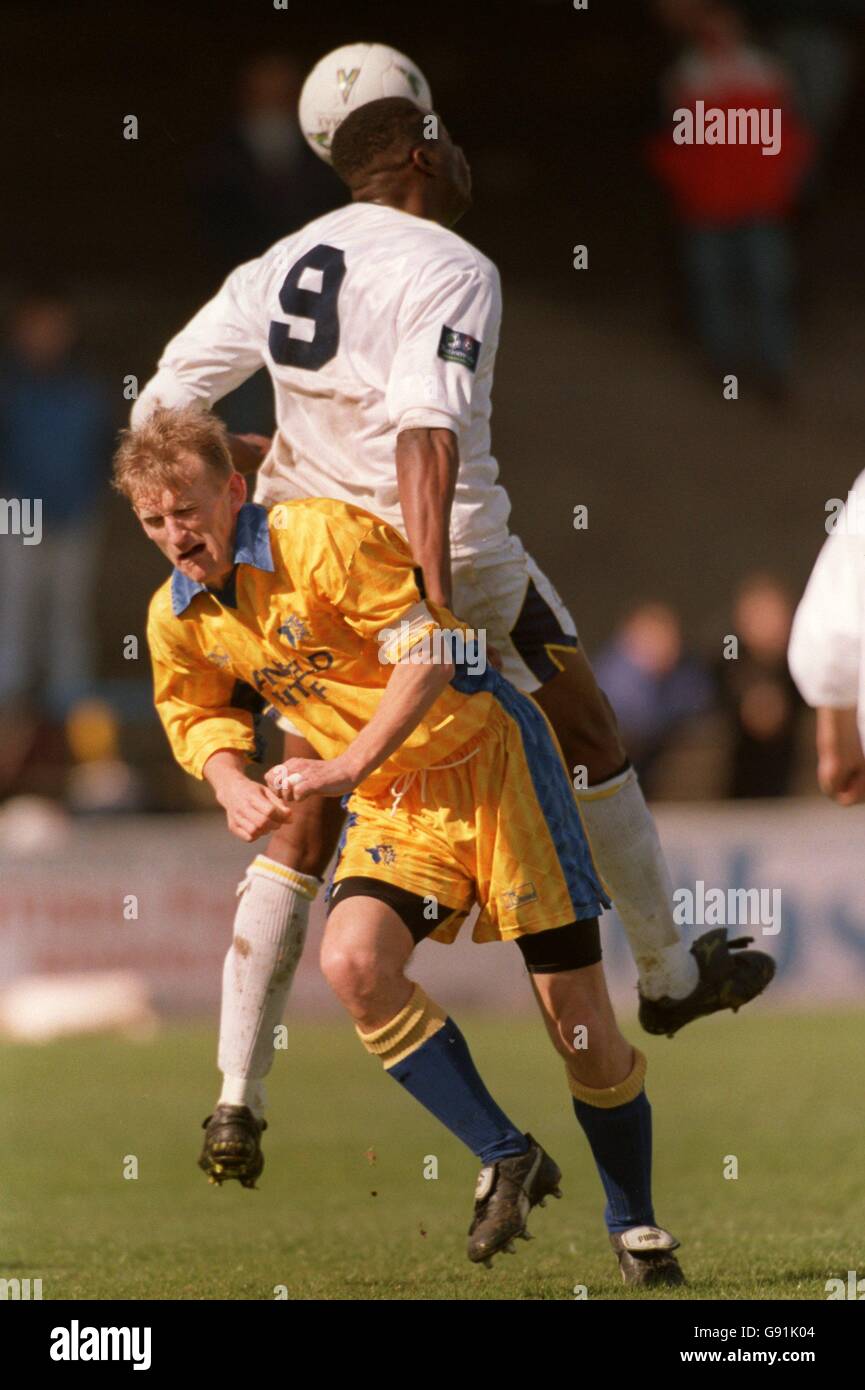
{"type": "Point", "coordinates": [192, 521]}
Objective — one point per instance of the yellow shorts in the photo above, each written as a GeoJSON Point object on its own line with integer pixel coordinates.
{"type": "Point", "coordinates": [499, 826]}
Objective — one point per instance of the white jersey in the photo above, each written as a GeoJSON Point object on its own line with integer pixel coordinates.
{"type": "Point", "coordinates": [827, 652]}
{"type": "Point", "coordinates": [370, 321]}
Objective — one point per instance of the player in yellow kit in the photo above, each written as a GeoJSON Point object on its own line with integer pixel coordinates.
{"type": "Point", "coordinates": [457, 794]}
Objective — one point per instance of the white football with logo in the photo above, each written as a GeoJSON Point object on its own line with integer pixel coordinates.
{"type": "Point", "coordinates": [350, 77]}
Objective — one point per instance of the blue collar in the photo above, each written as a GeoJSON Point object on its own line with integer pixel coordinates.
{"type": "Point", "coordinates": [251, 547]}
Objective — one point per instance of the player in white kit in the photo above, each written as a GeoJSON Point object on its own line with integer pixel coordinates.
{"type": "Point", "coordinates": [379, 327]}
{"type": "Point", "coordinates": [827, 651]}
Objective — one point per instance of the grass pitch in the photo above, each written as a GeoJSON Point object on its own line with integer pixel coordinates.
{"type": "Point", "coordinates": [344, 1210]}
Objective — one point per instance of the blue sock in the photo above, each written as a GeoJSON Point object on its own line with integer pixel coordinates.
{"type": "Point", "coordinates": [442, 1076]}
{"type": "Point", "coordinates": [621, 1142]}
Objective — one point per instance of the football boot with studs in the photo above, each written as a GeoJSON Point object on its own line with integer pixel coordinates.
{"type": "Point", "coordinates": [505, 1194]}
{"type": "Point", "coordinates": [730, 976]}
{"type": "Point", "coordinates": [646, 1259]}
{"type": "Point", "coordinates": [232, 1147]}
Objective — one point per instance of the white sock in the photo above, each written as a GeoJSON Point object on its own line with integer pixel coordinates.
{"type": "Point", "coordinates": [244, 1090]}
{"type": "Point", "coordinates": [269, 933]}
{"type": "Point", "coordinates": [630, 861]}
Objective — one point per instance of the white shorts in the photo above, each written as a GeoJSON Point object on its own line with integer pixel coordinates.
{"type": "Point", "coordinates": [505, 594]}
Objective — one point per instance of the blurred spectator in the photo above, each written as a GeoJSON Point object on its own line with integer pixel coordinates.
{"type": "Point", "coordinates": [99, 779]}
{"type": "Point", "coordinates": [259, 180]}
{"type": "Point", "coordinates": [55, 446]}
{"type": "Point", "coordinates": [762, 703]}
{"type": "Point", "coordinates": [733, 200]}
{"type": "Point", "coordinates": [819, 56]}
{"type": "Point", "coordinates": [654, 686]}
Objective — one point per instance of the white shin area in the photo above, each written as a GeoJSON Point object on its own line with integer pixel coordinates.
{"type": "Point", "coordinates": [629, 859]}
{"type": "Point", "coordinates": [269, 934]}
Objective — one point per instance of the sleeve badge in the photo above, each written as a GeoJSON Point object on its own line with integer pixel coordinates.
{"type": "Point", "coordinates": [459, 347]}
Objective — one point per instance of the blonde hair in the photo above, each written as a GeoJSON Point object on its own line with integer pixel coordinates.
{"type": "Point", "coordinates": [152, 456]}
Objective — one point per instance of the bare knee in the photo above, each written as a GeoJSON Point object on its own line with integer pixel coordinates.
{"type": "Point", "coordinates": [353, 974]}
{"type": "Point", "coordinates": [371, 989]}
{"type": "Point", "coordinates": [581, 1035]}
{"type": "Point", "coordinates": [584, 1031]}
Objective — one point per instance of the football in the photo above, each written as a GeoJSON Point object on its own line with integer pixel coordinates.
{"type": "Point", "coordinates": [349, 77]}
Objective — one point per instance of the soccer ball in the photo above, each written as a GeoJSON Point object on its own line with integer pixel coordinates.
{"type": "Point", "coordinates": [350, 77]}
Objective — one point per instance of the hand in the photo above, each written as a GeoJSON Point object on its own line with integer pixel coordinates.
{"type": "Point", "coordinates": [248, 451]}
{"type": "Point", "coordinates": [299, 778]}
{"type": "Point", "coordinates": [252, 810]}
{"type": "Point", "coordinates": [840, 760]}
{"type": "Point", "coordinates": [257, 441]}
{"type": "Point", "coordinates": [842, 780]}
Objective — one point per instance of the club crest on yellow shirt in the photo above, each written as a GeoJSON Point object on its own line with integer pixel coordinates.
{"type": "Point", "coordinates": [382, 854]}
{"type": "Point", "coordinates": [294, 628]}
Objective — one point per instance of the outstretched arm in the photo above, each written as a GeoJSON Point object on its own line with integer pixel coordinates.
{"type": "Point", "coordinates": [427, 462]}
{"type": "Point", "coordinates": [207, 716]}
{"type": "Point", "coordinates": [825, 653]}
{"type": "Point", "coordinates": [220, 347]}
{"type": "Point", "coordinates": [840, 760]}
{"type": "Point", "coordinates": [437, 395]}
{"type": "Point", "coordinates": [407, 697]}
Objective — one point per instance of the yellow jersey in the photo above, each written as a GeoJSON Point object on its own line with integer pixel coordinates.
{"type": "Point", "coordinates": [322, 599]}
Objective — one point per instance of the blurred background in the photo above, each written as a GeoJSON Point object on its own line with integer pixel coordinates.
{"type": "Point", "coordinates": [704, 513]}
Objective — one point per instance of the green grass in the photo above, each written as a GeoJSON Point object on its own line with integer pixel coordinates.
{"type": "Point", "coordinates": [783, 1093]}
